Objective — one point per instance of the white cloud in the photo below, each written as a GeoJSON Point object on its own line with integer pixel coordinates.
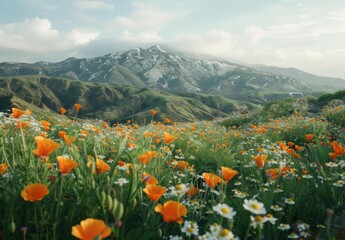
{"type": "Point", "coordinates": [141, 37]}
{"type": "Point", "coordinates": [82, 36]}
{"type": "Point", "coordinates": [32, 29]}
{"type": "Point", "coordinates": [254, 33]}
{"type": "Point", "coordinates": [217, 42]}
{"type": "Point", "coordinates": [288, 30]}
{"type": "Point", "coordinates": [93, 5]}
{"type": "Point", "coordinates": [36, 36]}
{"type": "Point", "coordinates": [313, 56]}
{"type": "Point", "coordinates": [145, 15]}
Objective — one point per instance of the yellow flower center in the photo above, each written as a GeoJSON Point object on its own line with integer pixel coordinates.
{"type": "Point", "coordinates": [255, 206]}
{"type": "Point", "coordinates": [191, 230]}
{"type": "Point", "coordinates": [224, 210]}
{"type": "Point", "coordinates": [224, 233]}
{"type": "Point", "coordinates": [259, 219]}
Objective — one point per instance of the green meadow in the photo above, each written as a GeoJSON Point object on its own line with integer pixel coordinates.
{"type": "Point", "coordinates": [271, 173]}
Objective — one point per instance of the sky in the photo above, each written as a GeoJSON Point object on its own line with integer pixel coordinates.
{"type": "Point", "coordinates": [305, 34]}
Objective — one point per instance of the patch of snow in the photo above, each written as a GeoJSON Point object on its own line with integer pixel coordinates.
{"type": "Point", "coordinates": [153, 74]}
{"type": "Point", "coordinates": [165, 85]}
{"type": "Point", "coordinates": [296, 93]}
{"type": "Point", "coordinates": [156, 48]}
{"type": "Point", "coordinates": [250, 80]}
{"type": "Point", "coordinates": [93, 76]}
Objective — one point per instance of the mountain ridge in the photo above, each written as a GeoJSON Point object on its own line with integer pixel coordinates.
{"type": "Point", "coordinates": [171, 71]}
{"type": "Point", "coordinates": [322, 81]}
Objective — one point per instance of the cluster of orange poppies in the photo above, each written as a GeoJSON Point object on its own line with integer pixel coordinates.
{"type": "Point", "coordinates": [170, 210]}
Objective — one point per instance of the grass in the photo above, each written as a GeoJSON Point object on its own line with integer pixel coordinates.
{"type": "Point", "coordinates": [297, 191]}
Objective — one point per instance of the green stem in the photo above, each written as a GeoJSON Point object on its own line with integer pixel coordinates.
{"type": "Point", "coordinates": [247, 232]}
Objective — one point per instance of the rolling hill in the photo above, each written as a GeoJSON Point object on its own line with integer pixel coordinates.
{"type": "Point", "coordinates": [111, 102]}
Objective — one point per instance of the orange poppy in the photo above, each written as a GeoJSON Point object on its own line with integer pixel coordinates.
{"type": "Point", "coordinates": [101, 166]}
{"type": "Point", "coordinates": [149, 179]}
{"type": "Point", "coordinates": [16, 113]}
{"type": "Point", "coordinates": [62, 134]}
{"type": "Point", "coordinates": [309, 137]}
{"type": "Point", "coordinates": [121, 163]}
{"type": "Point", "coordinates": [167, 120]}
{"type": "Point", "coordinates": [182, 164]}
{"type": "Point", "coordinates": [260, 149]}
{"type": "Point", "coordinates": [131, 145]}
{"type": "Point", "coordinates": [45, 146]}
{"type": "Point", "coordinates": [154, 192]}
{"type": "Point", "coordinates": [146, 157]}
{"type": "Point", "coordinates": [27, 112]}
{"type": "Point", "coordinates": [289, 151]}
{"type": "Point", "coordinates": [286, 169]}
{"type": "Point", "coordinates": [172, 211]}
{"type": "Point", "coordinates": [192, 191]}
{"type": "Point", "coordinates": [333, 155]}
{"type": "Point", "coordinates": [63, 111]}
{"type": "Point", "coordinates": [91, 228]}
{"type": "Point", "coordinates": [168, 138]}
{"type": "Point", "coordinates": [83, 132]}
{"type": "Point", "coordinates": [65, 164]}
{"type": "Point", "coordinates": [104, 125]}
{"type": "Point", "coordinates": [3, 168]}
{"type": "Point", "coordinates": [34, 192]}
{"type": "Point", "coordinates": [77, 107]}
{"type": "Point", "coordinates": [46, 125]}
{"type": "Point", "coordinates": [22, 125]}
{"type": "Point", "coordinates": [211, 179]}
{"type": "Point", "coordinates": [298, 148]}
{"type": "Point", "coordinates": [260, 160]}
{"type": "Point", "coordinates": [68, 140]}
{"type": "Point", "coordinates": [282, 146]}
{"type": "Point", "coordinates": [228, 173]}
{"type": "Point", "coordinates": [273, 172]}
{"type": "Point", "coordinates": [153, 112]}
{"type": "Point", "coordinates": [338, 149]}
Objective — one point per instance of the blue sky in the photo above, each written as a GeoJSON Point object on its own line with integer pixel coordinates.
{"type": "Point", "coordinates": [307, 34]}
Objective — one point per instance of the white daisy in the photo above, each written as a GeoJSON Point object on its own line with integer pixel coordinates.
{"type": "Point", "coordinates": [270, 218]}
{"type": "Point", "coordinates": [257, 221]}
{"type": "Point", "coordinates": [276, 208]}
{"type": "Point", "coordinates": [121, 181]}
{"type": "Point", "coordinates": [225, 211]}
{"type": "Point", "coordinates": [225, 234]}
{"type": "Point", "coordinates": [190, 228]}
{"type": "Point", "coordinates": [254, 206]}
{"type": "Point", "coordinates": [284, 226]}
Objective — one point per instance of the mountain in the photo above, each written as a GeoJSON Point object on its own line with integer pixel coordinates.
{"type": "Point", "coordinates": [321, 82]}
{"type": "Point", "coordinates": [167, 70]}
{"type": "Point", "coordinates": [111, 102]}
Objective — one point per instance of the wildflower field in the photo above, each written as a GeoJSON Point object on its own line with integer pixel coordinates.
{"type": "Point", "coordinates": [263, 175]}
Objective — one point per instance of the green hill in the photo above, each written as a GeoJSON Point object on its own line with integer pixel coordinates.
{"type": "Point", "coordinates": [111, 102]}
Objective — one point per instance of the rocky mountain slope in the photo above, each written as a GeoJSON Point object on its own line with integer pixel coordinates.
{"type": "Point", "coordinates": [319, 81]}
{"type": "Point", "coordinates": [166, 70]}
